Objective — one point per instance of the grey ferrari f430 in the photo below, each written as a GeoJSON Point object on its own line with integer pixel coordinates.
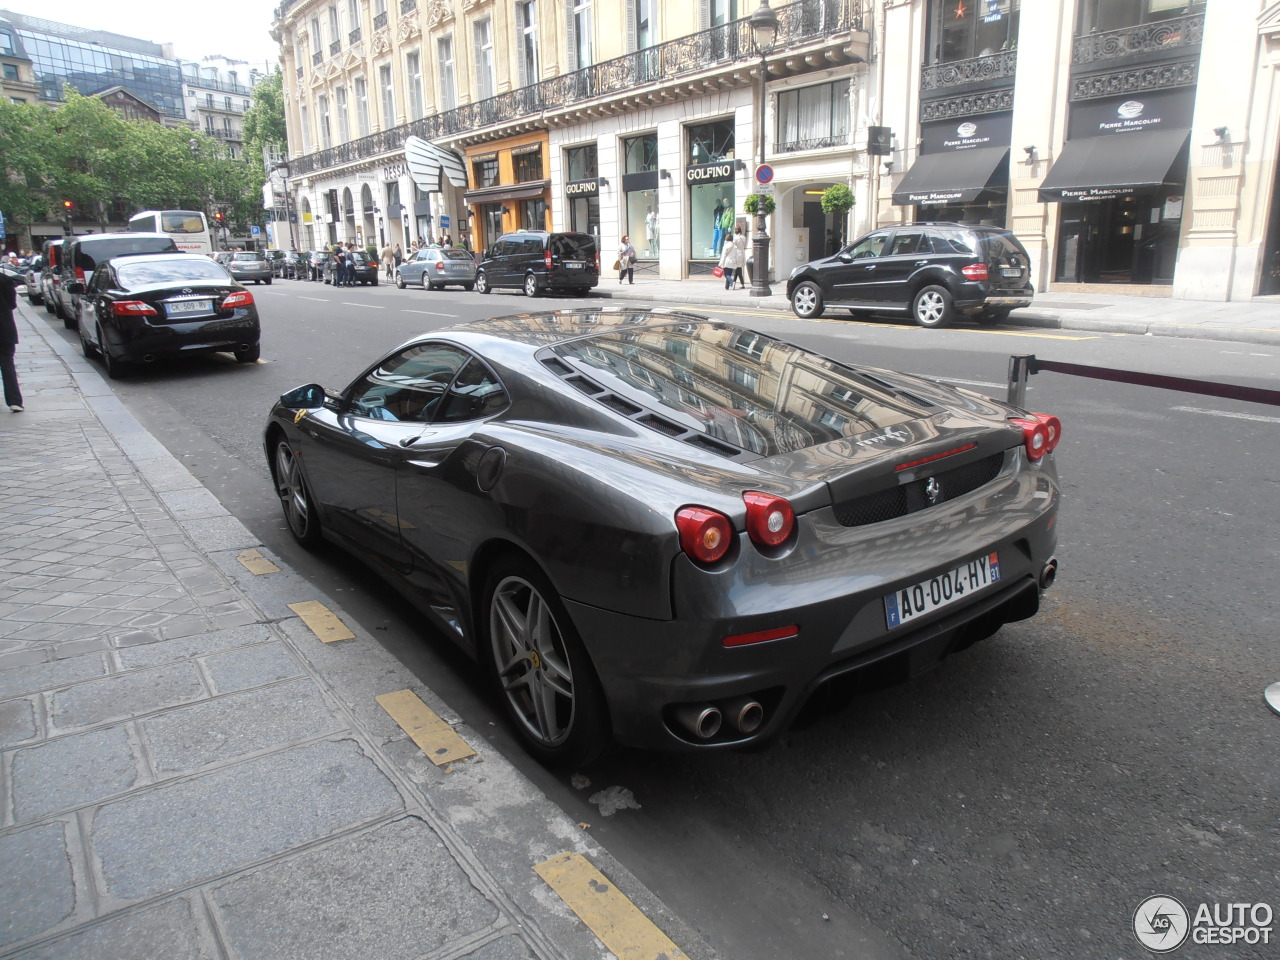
{"type": "Point", "coordinates": [669, 532]}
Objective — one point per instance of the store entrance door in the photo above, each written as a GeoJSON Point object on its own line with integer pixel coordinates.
{"type": "Point", "coordinates": [1271, 252]}
{"type": "Point", "coordinates": [1129, 239]}
{"type": "Point", "coordinates": [824, 231]}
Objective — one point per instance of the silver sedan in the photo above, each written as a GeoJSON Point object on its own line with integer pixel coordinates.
{"type": "Point", "coordinates": [437, 267]}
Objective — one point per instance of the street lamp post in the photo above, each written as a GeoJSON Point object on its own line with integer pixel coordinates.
{"type": "Point", "coordinates": [288, 213]}
{"type": "Point", "coordinates": [764, 32]}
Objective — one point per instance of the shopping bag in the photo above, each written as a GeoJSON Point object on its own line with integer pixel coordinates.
{"type": "Point", "coordinates": [717, 271]}
{"type": "Point", "coordinates": [617, 264]}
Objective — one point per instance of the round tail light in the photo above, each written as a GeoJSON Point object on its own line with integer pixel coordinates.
{"type": "Point", "coordinates": [1035, 437]}
{"type": "Point", "coordinates": [770, 519]}
{"type": "Point", "coordinates": [705, 534]}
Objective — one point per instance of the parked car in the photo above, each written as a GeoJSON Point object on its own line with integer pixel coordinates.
{"type": "Point", "coordinates": [316, 262]}
{"type": "Point", "coordinates": [438, 267]}
{"type": "Point", "coordinates": [933, 272]}
{"type": "Point", "coordinates": [15, 273]}
{"type": "Point", "coordinates": [366, 271]}
{"type": "Point", "coordinates": [249, 265]}
{"type": "Point", "coordinates": [223, 257]}
{"type": "Point", "coordinates": [639, 548]}
{"type": "Point", "coordinates": [82, 255]}
{"type": "Point", "coordinates": [289, 266]}
{"type": "Point", "coordinates": [50, 275]}
{"type": "Point", "coordinates": [141, 309]}
{"type": "Point", "coordinates": [32, 276]}
{"type": "Point", "coordinates": [537, 261]}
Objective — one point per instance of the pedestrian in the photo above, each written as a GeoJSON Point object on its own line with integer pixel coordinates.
{"type": "Point", "coordinates": [626, 260]}
{"type": "Point", "coordinates": [446, 241]}
{"type": "Point", "coordinates": [9, 342]}
{"type": "Point", "coordinates": [733, 257]}
{"type": "Point", "coordinates": [349, 262]}
{"type": "Point", "coordinates": [398, 254]}
{"type": "Point", "coordinates": [388, 260]}
{"type": "Point", "coordinates": [339, 267]}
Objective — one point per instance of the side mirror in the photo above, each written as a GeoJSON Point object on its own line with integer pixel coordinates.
{"type": "Point", "coordinates": [75, 287]}
{"type": "Point", "coordinates": [309, 397]}
{"type": "Point", "coordinates": [845, 257]}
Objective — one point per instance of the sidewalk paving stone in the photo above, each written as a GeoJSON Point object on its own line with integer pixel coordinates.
{"type": "Point", "coordinates": [125, 695]}
{"type": "Point", "coordinates": [72, 772]}
{"type": "Point", "coordinates": [37, 885]}
{"type": "Point", "coordinates": [171, 930]}
{"type": "Point", "coordinates": [249, 667]}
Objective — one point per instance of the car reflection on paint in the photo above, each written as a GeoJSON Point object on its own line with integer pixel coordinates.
{"type": "Point", "coordinates": [668, 532]}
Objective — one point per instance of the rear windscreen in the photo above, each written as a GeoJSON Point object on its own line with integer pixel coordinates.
{"type": "Point", "coordinates": [742, 387]}
{"type": "Point", "coordinates": [572, 246]}
{"type": "Point", "coordinates": [451, 254]}
{"type": "Point", "coordinates": [181, 221]}
{"type": "Point", "coordinates": [1001, 246]}
{"type": "Point", "coordinates": [143, 272]}
{"type": "Point", "coordinates": [89, 255]}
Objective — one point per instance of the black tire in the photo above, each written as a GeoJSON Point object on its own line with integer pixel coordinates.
{"type": "Point", "coordinates": [468, 286]}
{"type": "Point", "coordinates": [48, 306]}
{"type": "Point", "coordinates": [400, 284]}
{"type": "Point", "coordinates": [932, 307]}
{"type": "Point", "coordinates": [268, 281]}
{"type": "Point", "coordinates": [116, 369]}
{"type": "Point", "coordinates": [482, 282]}
{"type": "Point", "coordinates": [531, 286]}
{"type": "Point", "coordinates": [295, 495]}
{"type": "Point", "coordinates": [373, 282]}
{"type": "Point", "coordinates": [992, 315]}
{"type": "Point", "coordinates": [429, 286]}
{"type": "Point", "coordinates": [87, 348]}
{"type": "Point", "coordinates": [806, 300]}
{"type": "Point", "coordinates": [249, 356]}
{"type": "Point", "coordinates": [551, 669]}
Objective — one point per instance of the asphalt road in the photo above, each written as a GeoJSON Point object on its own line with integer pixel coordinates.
{"type": "Point", "coordinates": [1019, 801]}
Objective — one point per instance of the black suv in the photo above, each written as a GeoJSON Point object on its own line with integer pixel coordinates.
{"type": "Point", "coordinates": [536, 261]}
{"type": "Point", "coordinates": [80, 256]}
{"type": "Point", "coordinates": [933, 271]}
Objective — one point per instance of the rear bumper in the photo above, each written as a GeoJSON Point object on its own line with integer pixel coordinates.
{"type": "Point", "coordinates": [148, 342]}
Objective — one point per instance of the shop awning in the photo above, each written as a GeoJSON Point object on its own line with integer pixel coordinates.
{"type": "Point", "coordinates": [507, 191]}
{"type": "Point", "coordinates": [1114, 165]}
{"type": "Point", "coordinates": [954, 176]}
{"type": "Point", "coordinates": [427, 161]}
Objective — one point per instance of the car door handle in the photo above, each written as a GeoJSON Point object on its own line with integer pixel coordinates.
{"type": "Point", "coordinates": [870, 267]}
{"type": "Point", "coordinates": [921, 263]}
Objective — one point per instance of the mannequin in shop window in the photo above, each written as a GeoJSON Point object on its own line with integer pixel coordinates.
{"type": "Point", "coordinates": [717, 227]}
{"type": "Point", "coordinates": [651, 231]}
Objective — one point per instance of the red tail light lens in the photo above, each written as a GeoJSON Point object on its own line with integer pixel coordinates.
{"type": "Point", "coordinates": [1035, 437]}
{"type": "Point", "coordinates": [1053, 426]}
{"type": "Point", "coordinates": [440, 266]}
{"type": "Point", "coordinates": [975, 271]}
{"type": "Point", "coordinates": [132, 308]}
{"type": "Point", "coordinates": [705, 534]}
{"type": "Point", "coordinates": [770, 519]}
{"type": "Point", "coordinates": [546, 258]}
{"type": "Point", "coordinates": [80, 274]}
{"type": "Point", "coordinates": [597, 261]}
{"type": "Point", "coordinates": [242, 298]}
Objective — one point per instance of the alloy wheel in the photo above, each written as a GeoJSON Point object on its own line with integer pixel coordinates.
{"type": "Point", "coordinates": [532, 661]}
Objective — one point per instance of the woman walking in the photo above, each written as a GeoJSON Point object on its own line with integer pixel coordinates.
{"type": "Point", "coordinates": [732, 258]}
{"type": "Point", "coordinates": [626, 260]}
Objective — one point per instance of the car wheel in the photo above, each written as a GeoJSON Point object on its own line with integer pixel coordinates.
{"type": "Point", "coordinates": [541, 668]}
{"type": "Point", "coordinates": [531, 286]}
{"type": "Point", "coordinates": [249, 356]}
{"type": "Point", "coordinates": [34, 299]}
{"type": "Point", "coordinates": [992, 315]}
{"type": "Point", "coordinates": [48, 305]}
{"type": "Point", "coordinates": [400, 284]}
{"type": "Point", "coordinates": [468, 286]}
{"type": "Point", "coordinates": [373, 282]}
{"type": "Point", "coordinates": [806, 300]}
{"type": "Point", "coordinates": [932, 307]}
{"type": "Point", "coordinates": [482, 282]}
{"type": "Point", "coordinates": [429, 286]}
{"type": "Point", "coordinates": [86, 347]}
{"type": "Point", "coordinates": [268, 281]}
{"type": "Point", "coordinates": [116, 369]}
{"type": "Point", "coordinates": [295, 496]}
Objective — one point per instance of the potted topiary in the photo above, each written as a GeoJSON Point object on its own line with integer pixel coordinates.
{"type": "Point", "coordinates": [759, 203]}
{"type": "Point", "coordinates": [838, 199]}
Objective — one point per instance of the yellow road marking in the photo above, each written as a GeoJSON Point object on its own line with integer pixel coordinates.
{"type": "Point", "coordinates": [324, 623]}
{"type": "Point", "coordinates": [439, 741]}
{"type": "Point", "coordinates": [256, 563]}
{"type": "Point", "coordinates": [612, 917]}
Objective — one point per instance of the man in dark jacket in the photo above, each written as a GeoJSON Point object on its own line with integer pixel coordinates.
{"type": "Point", "coordinates": [9, 343]}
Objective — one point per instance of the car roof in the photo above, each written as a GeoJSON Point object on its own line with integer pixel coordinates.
{"type": "Point", "coordinates": [95, 237]}
{"type": "Point", "coordinates": [159, 257]}
{"type": "Point", "coordinates": [551, 327]}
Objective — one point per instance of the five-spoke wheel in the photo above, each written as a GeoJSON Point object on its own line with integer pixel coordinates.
{"type": "Point", "coordinates": [295, 499]}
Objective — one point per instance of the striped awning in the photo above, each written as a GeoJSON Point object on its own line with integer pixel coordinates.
{"type": "Point", "coordinates": [427, 161]}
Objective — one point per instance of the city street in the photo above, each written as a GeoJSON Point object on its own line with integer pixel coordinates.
{"type": "Point", "coordinates": [1019, 801]}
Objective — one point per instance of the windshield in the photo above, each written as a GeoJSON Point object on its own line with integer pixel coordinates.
{"type": "Point", "coordinates": [570, 246]}
{"type": "Point", "coordinates": [248, 256]}
{"type": "Point", "coordinates": [181, 221]}
{"type": "Point", "coordinates": [140, 273]}
{"type": "Point", "coordinates": [736, 385]}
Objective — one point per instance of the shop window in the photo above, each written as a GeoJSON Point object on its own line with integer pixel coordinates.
{"type": "Point", "coordinates": [1101, 15]}
{"type": "Point", "coordinates": [813, 117]}
{"type": "Point", "coordinates": [642, 222]}
{"type": "Point", "coordinates": [533, 214]}
{"type": "Point", "coordinates": [963, 29]}
{"type": "Point", "coordinates": [580, 162]}
{"type": "Point", "coordinates": [640, 153]}
{"type": "Point", "coordinates": [486, 172]}
{"type": "Point", "coordinates": [528, 166]}
{"type": "Point", "coordinates": [711, 141]}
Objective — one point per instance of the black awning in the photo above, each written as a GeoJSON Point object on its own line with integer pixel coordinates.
{"type": "Point", "coordinates": [1115, 165]}
{"type": "Point", "coordinates": [954, 176]}
{"type": "Point", "coordinates": [507, 191]}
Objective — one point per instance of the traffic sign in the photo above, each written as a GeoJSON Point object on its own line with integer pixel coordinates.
{"type": "Point", "coordinates": [444, 222]}
{"type": "Point", "coordinates": [255, 230]}
{"type": "Point", "coordinates": [768, 188]}
{"type": "Point", "coordinates": [764, 173]}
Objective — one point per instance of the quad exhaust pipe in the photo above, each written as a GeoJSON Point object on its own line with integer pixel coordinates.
{"type": "Point", "coordinates": [744, 715]}
{"type": "Point", "coordinates": [1049, 573]}
{"type": "Point", "coordinates": [703, 721]}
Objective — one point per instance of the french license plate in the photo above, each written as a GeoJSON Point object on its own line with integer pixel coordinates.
{"type": "Point", "coordinates": [189, 306]}
{"type": "Point", "coordinates": [573, 264]}
{"type": "Point", "coordinates": [1010, 272]}
{"type": "Point", "coordinates": [907, 603]}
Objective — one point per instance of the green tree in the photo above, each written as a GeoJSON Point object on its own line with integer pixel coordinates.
{"type": "Point", "coordinates": [264, 121]}
{"type": "Point", "coordinates": [26, 130]}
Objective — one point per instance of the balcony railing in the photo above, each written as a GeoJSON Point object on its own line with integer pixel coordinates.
{"type": "Point", "coordinates": [353, 37]}
{"type": "Point", "coordinates": [407, 6]}
{"type": "Point", "coordinates": [798, 23]}
{"type": "Point", "coordinates": [814, 143]}
{"type": "Point", "coordinates": [335, 48]}
{"type": "Point", "coordinates": [220, 85]}
{"type": "Point", "coordinates": [1166, 35]}
{"type": "Point", "coordinates": [960, 73]}
{"type": "Point", "coordinates": [379, 20]}
{"type": "Point", "coordinates": [316, 58]}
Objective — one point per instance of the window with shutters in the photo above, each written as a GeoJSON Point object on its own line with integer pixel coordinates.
{"type": "Point", "coordinates": [306, 129]}
{"type": "Point", "coordinates": [482, 35]}
{"type": "Point", "coordinates": [388, 96]}
{"type": "Point", "coordinates": [322, 113]}
{"type": "Point", "coordinates": [340, 98]}
{"type": "Point", "coordinates": [581, 34]}
{"type": "Point", "coordinates": [444, 57]}
{"type": "Point", "coordinates": [641, 27]}
{"type": "Point", "coordinates": [362, 107]}
{"type": "Point", "coordinates": [527, 40]}
{"type": "Point", "coordinates": [413, 80]}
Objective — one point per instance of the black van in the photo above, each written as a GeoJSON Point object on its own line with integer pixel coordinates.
{"type": "Point", "coordinates": [535, 261]}
{"type": "Point", "coordinates": [82, 255]}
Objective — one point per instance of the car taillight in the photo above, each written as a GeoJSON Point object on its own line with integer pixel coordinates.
{"type": "Point", "coordinates": [597, 261]}
{"type": "Point", "coordinates": [975, 271]}
{"type": "Point", "coordinates": [705, 534]}
{"type": "Point", "coordinates": [132, 308]}
{"type": "Point", "coordinates": [440, 265]}
{"type": "Point", "coordinates": [1039, 435]}
{"type": "Point", "coordinates": [80, 274]}
{"type": "Point", "coordinates": [242, 298]}
{"type": "Point", "coordinates": [770, 519]}
{"type": "Point", "coordinates": [546, 258]}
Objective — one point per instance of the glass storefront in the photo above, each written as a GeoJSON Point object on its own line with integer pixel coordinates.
{"type": "Point", "coordinates": [707, 221]}
{"type": "Point", "coordinates": [640, 195]}
{"type": "Point", "coordinates": [582, 189]}
{"type": "Point", "coordinates": [1123, 239]}
{"type": "Point", "coordinates": [712, 203]}
{"type": "Point", "coordinates": [979, 28]}
{"type": "Point", "coordinates": [533, 214]}
{"type": "Point", "coordinates": [490, 224]}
